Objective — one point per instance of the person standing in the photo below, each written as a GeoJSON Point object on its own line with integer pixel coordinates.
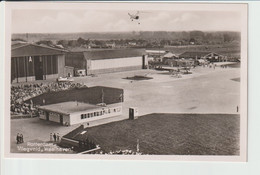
{"type": "Point", "coordinates": [54, 137]}
{"type": "Point", "coordinates": [21, 138]}
{"type": "Point", "coordinates": [18, 138]}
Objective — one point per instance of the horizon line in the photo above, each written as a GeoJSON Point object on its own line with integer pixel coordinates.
{"type": "Point", "coordinates": [129, 31]}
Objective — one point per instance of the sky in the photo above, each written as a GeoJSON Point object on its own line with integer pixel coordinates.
{"type": "Point", "coordinates": [70, 21]}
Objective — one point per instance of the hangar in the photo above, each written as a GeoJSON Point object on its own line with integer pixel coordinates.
{"type": "Point", "coordinates": [31, 62]}
{"type": "Point", "coordinates": [108, 60]}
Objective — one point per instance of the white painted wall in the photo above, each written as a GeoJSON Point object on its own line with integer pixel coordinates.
{"type": "Point", "coordinates": [75, 118]}
{"type": "Point", "coordinates": [117, 62]}
{"type": "Point", "coordinates": [54, 117]}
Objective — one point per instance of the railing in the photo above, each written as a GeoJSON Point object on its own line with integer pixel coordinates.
{"type": "Point", "coordinates": [90, 151]}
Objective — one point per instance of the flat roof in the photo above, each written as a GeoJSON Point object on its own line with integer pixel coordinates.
{"type": "Point", "coordinates": [69, 107]}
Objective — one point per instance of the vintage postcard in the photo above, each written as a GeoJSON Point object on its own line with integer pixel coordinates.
{"type": "Point", "coordinates": [135, 81]}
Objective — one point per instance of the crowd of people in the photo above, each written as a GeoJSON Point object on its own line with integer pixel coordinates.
{"type": "Point", "coordinates": [24, 92]}
{"type": "Point", "coordinates": [19, 138]}
{"type": "Point", "coordinates": [54, 137]}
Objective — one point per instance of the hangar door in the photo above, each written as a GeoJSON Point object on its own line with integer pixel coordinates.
{"type": "Point", "coordinates": [38, 68]}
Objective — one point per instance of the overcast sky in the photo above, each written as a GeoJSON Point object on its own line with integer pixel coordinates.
{"type": "Point", "coordinates": [67, 21]}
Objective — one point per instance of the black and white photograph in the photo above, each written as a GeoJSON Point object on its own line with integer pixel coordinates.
{"type": "Point", "coordinates": [131, 80]}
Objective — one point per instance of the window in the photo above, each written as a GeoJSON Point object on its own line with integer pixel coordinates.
{"type": "Point", "coordinates": [83, 116]}
{"type": "Point", "coordinates": [115, 110]}
{"type": "Point", "coordinates": [88, 115]}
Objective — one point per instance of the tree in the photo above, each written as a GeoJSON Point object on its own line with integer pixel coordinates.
{"type": "Point", "coordinates": [45, 42]}
{"type": "Point", "coordinates": [81, 41]}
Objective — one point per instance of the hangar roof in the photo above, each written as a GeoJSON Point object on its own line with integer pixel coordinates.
{"type": "Point", "coordinates": [113, 53]}
{"type": "Point", "coordinates": [193, 54]}
{"type": "Point", "coordinates": [29, 49]}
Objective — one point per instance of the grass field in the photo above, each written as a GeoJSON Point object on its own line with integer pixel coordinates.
{"type": "Point", "coordinates": [172, 134]}
{"type": "Point", "coordinates": [91, 95]}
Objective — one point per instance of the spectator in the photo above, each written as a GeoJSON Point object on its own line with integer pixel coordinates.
{"type": "Point", "coordinates": [18, 138]}
{"type": "Point", "coordinates": [54, 137]}
{"type": "Point", "coordinates": [21, 138]}
{"type": "Point", "coordinates": [21, 93]}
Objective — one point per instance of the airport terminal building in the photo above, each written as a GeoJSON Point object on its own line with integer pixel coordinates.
{"type": "Point", "coordinates": [30, 62]}
{"type": "Point", "coordinates": [73, 112]}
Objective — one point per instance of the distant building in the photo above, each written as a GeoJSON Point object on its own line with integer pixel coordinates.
{"type": "Point", "coordinates": [169, 56]}
{"type": "Point", "coordinates": [72, 112]}
{"type": "Point", "coordinates": [132, 43]}
{"type": "Point", "coordinates": [155, 55]}
{"type": "Point", "coordinates": [155, 52]}
{"type": "Point", "coordinates": [209, 56]}
{"type": "Point", "coordinates": [179, 62]}
{"type": "Point", "coordinates": [111, 45]}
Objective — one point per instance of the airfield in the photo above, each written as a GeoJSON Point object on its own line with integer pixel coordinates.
{"type": "Point", "coordinates": [205, 91]}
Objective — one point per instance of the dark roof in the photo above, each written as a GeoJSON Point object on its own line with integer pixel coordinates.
{"type": "Point", "coordinates": [29, 49]}
{"type": "Point", "coordinates": [194, 54]}
{"type": "Point", "coordinates": [17, 45]}
{"type": "Point", "coordinates": [113, 53]}
{"type": "Point", "coordinates": [199, 54]}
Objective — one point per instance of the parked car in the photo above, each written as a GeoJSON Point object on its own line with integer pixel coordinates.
{"type": "Point", "coordinates": [65, 79]}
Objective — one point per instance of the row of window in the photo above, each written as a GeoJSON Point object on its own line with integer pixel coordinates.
{"type": "Point", "coordinates": [99, 113]}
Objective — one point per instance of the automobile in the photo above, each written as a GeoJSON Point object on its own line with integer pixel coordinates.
{"type": "Point", "coordinates": [65, 79]}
